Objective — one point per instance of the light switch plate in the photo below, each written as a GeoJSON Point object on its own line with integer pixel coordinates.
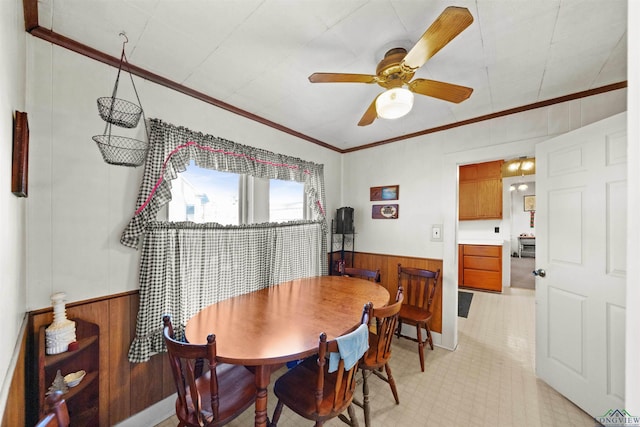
{"type": "Point", "coordinates": [436, 233]}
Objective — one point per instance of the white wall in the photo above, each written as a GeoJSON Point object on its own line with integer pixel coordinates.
{"type": "Point", "coordinates": [78, 204]}
{"type": "Point", "coordinates": [426, 169]}
{"type": "Point", "coordinates": [12, 209]}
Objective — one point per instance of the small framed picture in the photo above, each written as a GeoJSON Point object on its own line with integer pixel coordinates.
{"type": "Point", "coordinates": [384, 211]}
{"type": "Point", "coordinates": [529, 203]}
{"type": "Point", "coordinates": [389, 192]}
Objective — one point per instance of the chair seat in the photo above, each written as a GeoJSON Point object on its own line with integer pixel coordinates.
{"type": "Point", "coordinates": [412, 315]}
{"type": "Point", "coordinates": [236, 383]}
{"type": "Point", "coordinates": [296, 389]}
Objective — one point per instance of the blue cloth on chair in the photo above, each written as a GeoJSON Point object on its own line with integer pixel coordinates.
{"type": "Point", "coordinates": [351, 346]}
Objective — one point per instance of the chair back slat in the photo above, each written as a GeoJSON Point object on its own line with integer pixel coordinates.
{"type": "Point", "coordinates": [386, 319]}
{"type": "Point", "coordinates": [184, 359]}
{"type": "Point", "coordinates": [345, 379]}
{"type": "Point", "coordinates": [57, 413]}
{"type": "Point", "coordinates": [420, 286]}
{"type": "Point", "coordinates": [363, 273]}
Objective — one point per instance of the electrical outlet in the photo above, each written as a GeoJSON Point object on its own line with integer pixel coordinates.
{"type": "Point", "coordinates": [436, 233]}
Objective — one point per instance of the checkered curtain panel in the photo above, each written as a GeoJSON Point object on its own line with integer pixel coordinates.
{"type": "Point", "coordinates": [185, 266]}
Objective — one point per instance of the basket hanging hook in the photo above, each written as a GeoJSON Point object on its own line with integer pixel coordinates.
{"type": "Point", "coordinates": [124, 36]}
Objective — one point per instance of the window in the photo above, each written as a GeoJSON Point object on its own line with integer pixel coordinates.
{"type": "Point", "coordinates": [286, 200]}
{"type": "Point", "coordinates": [204, 195]}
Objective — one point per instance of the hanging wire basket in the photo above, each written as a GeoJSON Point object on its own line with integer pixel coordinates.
{"type": "Point", "coordinates": [119, 112]}
{"type": "Point", "coordinates": [122, 151]}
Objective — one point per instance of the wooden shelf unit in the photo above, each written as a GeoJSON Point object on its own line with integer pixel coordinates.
{"type": "Point", "coordinates": [83, 399]}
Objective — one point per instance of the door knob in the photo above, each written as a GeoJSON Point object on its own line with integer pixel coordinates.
{"type": "Point", "coordinates": [539, 272]}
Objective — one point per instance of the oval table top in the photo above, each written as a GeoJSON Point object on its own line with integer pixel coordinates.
{"type": "Point", "coordinates": [283, 322]}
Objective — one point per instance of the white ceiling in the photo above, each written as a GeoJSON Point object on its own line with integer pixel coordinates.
{"type": "Point", "coordinates": [257, 54]}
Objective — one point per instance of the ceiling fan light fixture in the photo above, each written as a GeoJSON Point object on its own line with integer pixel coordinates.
{"type": "Point", "coordinates": [394, 103]}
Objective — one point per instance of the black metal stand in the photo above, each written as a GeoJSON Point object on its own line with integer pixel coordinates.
{"type": "Point", "coordinates": [341, 244]}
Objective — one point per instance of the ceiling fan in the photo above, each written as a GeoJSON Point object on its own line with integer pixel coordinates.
{"type": "Point", "coordinates": [395, 71]}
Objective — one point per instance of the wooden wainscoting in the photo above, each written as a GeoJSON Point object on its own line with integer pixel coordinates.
{"type": "Point", "coordinates": [388, 265]}
{"type": "Point", "coordinates": [14, 409]}
{"type": "Point", "coordinates": [125, 388]}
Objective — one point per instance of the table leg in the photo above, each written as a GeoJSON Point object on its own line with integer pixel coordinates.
{"type": "Point", "coordinates": [263, 376]}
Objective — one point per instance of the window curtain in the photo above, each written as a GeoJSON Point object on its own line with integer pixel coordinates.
{"type": "Point", "coordinates": [185, 266]}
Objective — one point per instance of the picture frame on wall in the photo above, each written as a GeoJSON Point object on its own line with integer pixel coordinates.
{"type": "Point", "coordinates": [384, 211]}
{"type": "Point", "coordinates": [20, 159]}
{"type": "Point", "coordinates": [388, 192]}
{"type": "Point", "coordinates": [529, 203]}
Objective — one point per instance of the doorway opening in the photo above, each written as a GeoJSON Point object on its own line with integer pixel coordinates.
{"type": "Point", "coordinates": [521, 191]}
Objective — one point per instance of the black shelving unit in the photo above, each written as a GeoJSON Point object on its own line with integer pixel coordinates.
{"type": "Point", "coordinates": [342, 249]}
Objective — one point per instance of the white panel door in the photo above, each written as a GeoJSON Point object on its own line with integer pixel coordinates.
{"type": "Point", "coordinates": [581, 245]}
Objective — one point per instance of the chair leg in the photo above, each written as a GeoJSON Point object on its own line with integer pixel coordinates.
{"type": "Point", "coordinates": [399, 328]}
{"type": "Point", "coordinates": [420, 347]}
{"type": "Point", "coordinates": [392, 384]}
{"type": "Point", "coordinates": [365, 398]}
{"type": "Point", "coordinates": [276, 414]}
{"type": "Point", "coordinates": [426, 327]}
{"type": "Point", "coordinates": [352, 416]}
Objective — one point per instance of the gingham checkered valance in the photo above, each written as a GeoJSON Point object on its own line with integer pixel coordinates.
{"type": "Point", "coordinates": [172, 147]}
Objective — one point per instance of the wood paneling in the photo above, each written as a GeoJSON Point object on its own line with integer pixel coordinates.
{"type": "Point", "coordinates": [14, 411]}
{"type": "Point", "coordinates": [125, 388]}
{"type": "Point", "coordinates": [388, 265]}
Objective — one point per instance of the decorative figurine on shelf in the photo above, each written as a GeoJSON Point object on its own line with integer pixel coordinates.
{"type": "Point", "coordinates": [58, 384]}
{"type": "Point", "coordinates": [62, 331]}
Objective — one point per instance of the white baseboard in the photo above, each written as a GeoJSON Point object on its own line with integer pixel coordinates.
{"type": "Point", "coordinates": [152, 415]}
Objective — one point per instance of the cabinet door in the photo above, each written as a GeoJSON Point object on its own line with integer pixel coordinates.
{"type": "Point", "coordinates": [490, 199]}
{"type": "Point", "coordinates": [468, 200]}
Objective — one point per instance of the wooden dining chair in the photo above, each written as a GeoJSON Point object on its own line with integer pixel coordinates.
{"type": "Point", "coordinates": [316, 392]}
{"type": "Point", "coordinates": [213, 398]}
{"type": "Point", "coordinates": [57, 414]}
{"type": "Point", "coordinates": [379, 353]}
{"type": "Point", "coordinates": [363, 273]}
{"type": "Point", "coordinates": [419, 289]}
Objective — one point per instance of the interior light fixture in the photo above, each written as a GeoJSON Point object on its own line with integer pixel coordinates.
{"type": "Point", "coordinates": [512, 187]}
{"type": "Point", "coordinates": [520, 166]}
{"type": "Point", "coordinates": [522, 187]}
{"type": "Point", "coordinates": [394, 103]}
{"type": "Point", "coordinates": [526, 165]}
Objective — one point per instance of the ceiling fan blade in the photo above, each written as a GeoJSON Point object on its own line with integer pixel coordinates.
{"type": "Point", "coordinates": [370, 115]}
{"type": "Point", "coordinates": [445, 28]}
{"type": "Point", "coordinates": [341, 78]}
{"type": "Point", "coordinates": [441, 90]}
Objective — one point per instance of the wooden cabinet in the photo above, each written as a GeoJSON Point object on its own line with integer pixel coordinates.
{"type": "Point", "coordinates": [480, 267]}
{"type": "Point", "coordinates": [82, 400]}
{"type": "Point", "coordinates": [480, 191]}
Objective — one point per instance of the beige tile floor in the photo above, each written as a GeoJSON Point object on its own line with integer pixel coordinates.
{"type": "Point", "coordinates": [488, 381]}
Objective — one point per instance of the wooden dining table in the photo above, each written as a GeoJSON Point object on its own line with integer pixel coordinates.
{"type": "Point", "coordinates": [281, 323]}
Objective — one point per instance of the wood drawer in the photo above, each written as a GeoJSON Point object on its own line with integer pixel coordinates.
{"type": "Point", "coordinates": [482, 263]}
{"type": "Point", "coordinates": [483, 250]}
{"type": "Point", "coordinates": [486, 280]}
